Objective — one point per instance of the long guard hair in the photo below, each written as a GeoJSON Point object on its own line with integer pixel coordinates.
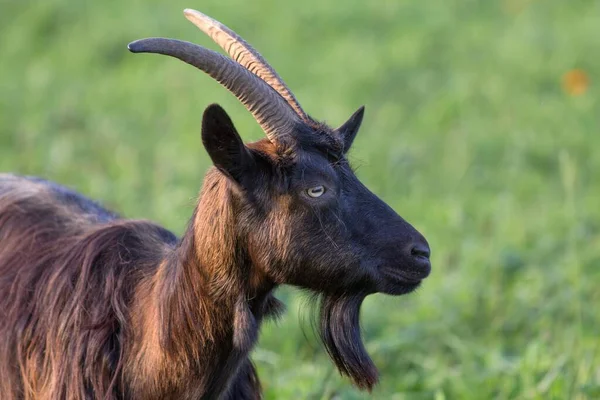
{"type": "Point", "coordinates": [93, 305]}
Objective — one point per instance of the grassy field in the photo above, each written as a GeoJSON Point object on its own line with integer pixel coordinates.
{"type": "Point", "coordinates": [470, 133]}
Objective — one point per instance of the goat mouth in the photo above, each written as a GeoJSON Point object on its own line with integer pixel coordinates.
{"type": "Point", "coordinates": [404, 282]}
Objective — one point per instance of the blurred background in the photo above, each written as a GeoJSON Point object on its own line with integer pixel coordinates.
{"type": "Point", "coordinates": [482, 129]}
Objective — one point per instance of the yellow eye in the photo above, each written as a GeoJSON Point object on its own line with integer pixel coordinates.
{"type": "Point", "coordinates": [316, 191]}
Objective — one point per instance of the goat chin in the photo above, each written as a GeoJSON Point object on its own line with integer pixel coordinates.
{"type": "Point", "coordinates": [340, 332]}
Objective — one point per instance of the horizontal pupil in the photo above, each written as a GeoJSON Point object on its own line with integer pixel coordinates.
{"type": "Point", "coordinates": [316, 191]}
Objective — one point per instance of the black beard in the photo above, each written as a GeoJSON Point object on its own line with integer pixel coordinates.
{"type": "Point", "coordinates": [340, 333]}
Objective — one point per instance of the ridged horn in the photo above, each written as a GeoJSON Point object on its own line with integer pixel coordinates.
{"type": "Point", "coordinates": [243, 53]}
{"type": "Point", "coordinates": [270, 110]}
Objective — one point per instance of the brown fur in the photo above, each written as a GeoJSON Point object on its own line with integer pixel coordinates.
{"type": "Point", "coordinates": [110, 310]}
{"type": "Point", "coordinates": [96, 306]}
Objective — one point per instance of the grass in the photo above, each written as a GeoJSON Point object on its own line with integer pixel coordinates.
{"type": "Point", "coordinates": [469, 134]}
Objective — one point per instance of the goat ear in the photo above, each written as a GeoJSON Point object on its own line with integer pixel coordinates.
{"type": "Point", "coordinates": [223, 143]}
{"type": "Point", "coordinates": [350, 128]}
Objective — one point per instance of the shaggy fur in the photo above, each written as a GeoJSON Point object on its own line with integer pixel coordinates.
{"type": "Point", "coordinates": [96, 306]}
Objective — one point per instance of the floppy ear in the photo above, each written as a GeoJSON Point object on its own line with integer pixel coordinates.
{"type": "Point", "coordinates": [350, 128]}
{"type": "Point", "coordinates": [223, 144]}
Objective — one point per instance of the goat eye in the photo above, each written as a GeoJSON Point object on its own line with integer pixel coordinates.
{"type": "Point", "coordinates": [316, 191]}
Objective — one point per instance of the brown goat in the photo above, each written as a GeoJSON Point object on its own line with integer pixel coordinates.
{"type": "Point", "coordinates": [96, 306]}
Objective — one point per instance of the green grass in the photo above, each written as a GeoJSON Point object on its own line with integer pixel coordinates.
{"type": "Point", "coordinates": [468, 134]}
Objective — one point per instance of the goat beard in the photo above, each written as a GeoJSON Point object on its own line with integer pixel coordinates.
{"type": "Point", "coordinates": [340, 332]}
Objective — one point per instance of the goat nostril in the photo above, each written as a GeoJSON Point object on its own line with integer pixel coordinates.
{"type": "Point", "coordinates": [420, 251]}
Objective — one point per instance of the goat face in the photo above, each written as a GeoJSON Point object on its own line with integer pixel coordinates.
{"type": "Point", "coordinates": [302, 217]}
{"type": "Point", "coordinates": [306, 218]}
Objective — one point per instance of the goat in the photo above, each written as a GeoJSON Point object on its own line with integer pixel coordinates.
{"type": "Point", "coordinates": [97, 306]}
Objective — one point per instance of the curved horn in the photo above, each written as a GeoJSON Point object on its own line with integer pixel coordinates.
{"type": "Point", "coordinates": [269, 109]}
{"type": "Point", "coordinates": [240, 51]}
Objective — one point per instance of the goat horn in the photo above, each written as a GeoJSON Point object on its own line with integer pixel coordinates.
{"type": "Point", "coordinates": [243, 53]}
{"type": "Point", "coordinates": [269, 109]}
